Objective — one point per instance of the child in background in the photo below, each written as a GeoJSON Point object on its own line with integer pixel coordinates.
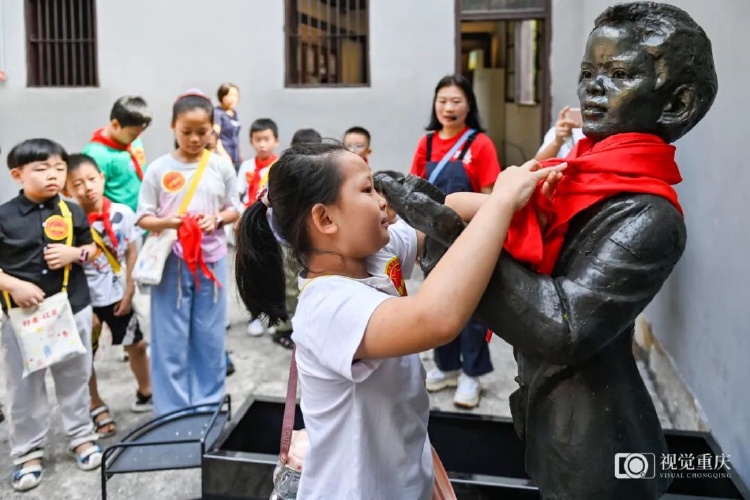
{"type": "Point", "coordinates": [264, 138]}
{"type": "Point", "coordinates": [357, 140]}
{"type": "Point", "coordinates": [118, 150]}
{"type": "Point", "coordinates": [116, 235]}
{"type": "Point", "coordinates": [306, 136]}
{"type": "Point", "coordinates": [32, 262]}
{"type": "Point", "coordinates": [392, 215]}
{"type": "Point", "coordinates": [358, 336]}
{"type": "Point", "coordinates": [188, 363]}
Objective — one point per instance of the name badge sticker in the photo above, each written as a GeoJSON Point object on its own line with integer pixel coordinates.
{"type": "Point", "coordinates": [57, 228]}
{"type": "Point", "coordinates": [173, 181]}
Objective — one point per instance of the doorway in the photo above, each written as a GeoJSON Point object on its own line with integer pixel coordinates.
{"type": "Point", "coordinates": [505, 54]}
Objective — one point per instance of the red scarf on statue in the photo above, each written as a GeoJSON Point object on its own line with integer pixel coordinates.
{"type": "Point", "coordinates": [106, 220]}
{"type": "Point", "coordinates": [190, 236]}
{"type": "Point", "coordinates": [622, 163]}
{"type": "Point", "coordinates": [100, 138]}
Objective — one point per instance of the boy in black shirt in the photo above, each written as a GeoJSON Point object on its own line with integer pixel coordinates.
{"type": "Point", "coordinates": [33, 256]}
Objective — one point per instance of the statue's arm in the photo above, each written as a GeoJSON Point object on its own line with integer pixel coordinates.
{"type": "Point", "coordinates": [567, 319]}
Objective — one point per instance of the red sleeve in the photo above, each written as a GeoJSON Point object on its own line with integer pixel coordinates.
{"type": "Point", "coordinates": [484, 159]}
{"type": "Point", "coordinates": [419, 162]}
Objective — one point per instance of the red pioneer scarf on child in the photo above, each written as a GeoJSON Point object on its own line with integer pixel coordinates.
{"type": "Point", "coordinates": [253, 178]}
{"type": "Point", "coordinates": [100, 138]}
{"type": "Point", "coordinates": [622, 163]}
{"type": "Point", "coordinates": [190, 236]}
{"type": "Point", "coordinates": [106, 220]}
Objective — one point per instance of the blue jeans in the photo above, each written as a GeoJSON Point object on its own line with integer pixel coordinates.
{"type": "Point", "coordinates": [468, 352]}
{"type": "Point", "coordinates": [188, 329]}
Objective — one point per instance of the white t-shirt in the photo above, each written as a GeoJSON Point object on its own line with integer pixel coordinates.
{"type": "Point", "coordinates": [366, 420]}
{"type": "Point", "coordinates": [248, 167]}
{"type": "Point", "coordinates": [567, 144]}
{"type": "Point", "coordinates": [104, 287]}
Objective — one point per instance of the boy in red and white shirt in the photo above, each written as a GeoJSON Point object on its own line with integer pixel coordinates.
{"type": "Point", "coordinates": [253, 173]}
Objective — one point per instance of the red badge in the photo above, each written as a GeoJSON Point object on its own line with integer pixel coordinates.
{"type": "Point", "coordinates": [393, 271]}
{"type": "Point", "coordinates": [56, 228]}
{"type": "Point", "coordinates": [173, 181]}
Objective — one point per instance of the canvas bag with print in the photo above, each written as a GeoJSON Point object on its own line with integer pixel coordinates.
{"type": "Point", "coordinates": [149, 266]}
{"type": "Point", "coordinates": [47, 334]}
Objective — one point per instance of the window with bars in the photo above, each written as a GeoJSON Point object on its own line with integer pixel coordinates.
{"type": "Point", "coordinates": [327, 43]}
{"type": "Point", "coordinates": [61, 43]}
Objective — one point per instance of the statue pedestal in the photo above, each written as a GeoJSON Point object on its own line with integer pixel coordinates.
{"type": "Point", "coordinates": [482, 454]}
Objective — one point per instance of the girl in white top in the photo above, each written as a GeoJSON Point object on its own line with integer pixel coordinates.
{"type": "Point", "coordinates": [357, 333]}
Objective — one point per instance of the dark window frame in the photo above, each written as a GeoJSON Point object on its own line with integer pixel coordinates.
{"type": "Point", "coordinates": [61, 44]}
{"type": "Point", "coordinates": [325, 46]}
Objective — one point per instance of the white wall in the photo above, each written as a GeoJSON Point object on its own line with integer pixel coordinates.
{"type": "Point", "coordinates": [156, 51]}
{"type": "Point", "coordinates": [701, 316]}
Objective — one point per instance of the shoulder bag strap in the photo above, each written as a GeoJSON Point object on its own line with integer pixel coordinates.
{"type": "Point", "coordinates": [69, 241]}
{"type": "Point", "coordinates": [449, 155]}
{"type": "Point", "coordinates": [113, 263]}
{"type": "Point", "coordinates": [194, 182]}
{"type": "Point", "coordinates": [467, 145]}
{"type": "Point", "coordinates": [290, 408]}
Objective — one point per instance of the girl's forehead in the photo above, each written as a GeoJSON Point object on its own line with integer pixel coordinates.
{"type": "Point", "coordinates": [194, 117]}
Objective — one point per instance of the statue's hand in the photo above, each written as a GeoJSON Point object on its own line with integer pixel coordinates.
{"type": "Point", "coordinates": [420, 204]}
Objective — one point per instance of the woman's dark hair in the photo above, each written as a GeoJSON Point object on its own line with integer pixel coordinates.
{"type": "Point", "coordinates": [32, 150]}
{"type": "Point", "coordinates": [190, 101]}
{"type": "Point", "coordinates": [303, 176]}
{"type": "Point", "coordinates": [224, 89]}
{"type": "Point", "coordinates": [75, 161]}
{"type": "Point", "coordinates": [460, 81]}
{"type": "Point", "coordinates": [131, 111]}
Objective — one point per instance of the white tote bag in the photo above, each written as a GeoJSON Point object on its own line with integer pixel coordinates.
{"type": "Point", "coordinates": [47, 334]}
{"type": "Point", "coordinates": [149, 266]}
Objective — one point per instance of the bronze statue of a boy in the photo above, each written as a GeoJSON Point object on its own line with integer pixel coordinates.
{"type": "Point", "coordinates": [567, 290]}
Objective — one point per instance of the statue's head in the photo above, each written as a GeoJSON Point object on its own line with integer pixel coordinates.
{"type": "Point", "coordinates": [648, 68]}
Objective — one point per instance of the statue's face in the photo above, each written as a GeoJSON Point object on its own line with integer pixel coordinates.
{"type": "Point", "coordinates": [617, 85]}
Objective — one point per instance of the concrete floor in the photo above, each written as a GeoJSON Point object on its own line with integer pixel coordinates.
{"type": "Point", "coordinates": [262, 369]}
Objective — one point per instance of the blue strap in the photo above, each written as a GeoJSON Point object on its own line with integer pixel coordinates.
{"type": "Point", "coordinates": [439, 167]}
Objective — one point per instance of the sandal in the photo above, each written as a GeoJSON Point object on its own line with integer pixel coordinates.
{"type": "Point", "coordinates": [90, 458]}
{"type": "Point", "coordinates": [103, 422]}
{"type": "Point", "coordinates": [284, 339]}
{"type": "Point", "coordinates": [27, 477]}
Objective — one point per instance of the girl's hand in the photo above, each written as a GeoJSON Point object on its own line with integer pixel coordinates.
{"type": "Point", "coordinates": [58, 255]}
{"type": "Point", "coordinates": [517, 184]}
{"type": "Point", "coordinates": [207, 223]}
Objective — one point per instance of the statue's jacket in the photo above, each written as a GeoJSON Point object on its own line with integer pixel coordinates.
{"type": "Point", "coordinates": [581, 399]}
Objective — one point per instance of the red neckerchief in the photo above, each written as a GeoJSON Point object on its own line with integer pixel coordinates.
{"type": "Point", "coordinates": [100, 138]}
{"type": "Point", "coordinates": [253, 178]}
{"type": "Point", "coordinates": [622, 163]}
{"type": "Point", "coordinates": [105, 218]}
{"type": "Point", "coordinates": [190, 236]}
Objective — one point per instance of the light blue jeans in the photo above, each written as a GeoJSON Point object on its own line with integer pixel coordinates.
{"type": "Point", "coordinates": [188, 328]}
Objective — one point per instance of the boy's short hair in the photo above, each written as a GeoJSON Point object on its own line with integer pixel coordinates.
{"type": "Point", "coordinates": [306, 136]}
{"type": "Point", "coordinates": [75, 161]}
{"type": "Point", "coordinates": [131, 111]}
{"type": "Point", "coordinates": [358, 130]}
{"type": "Point", "coordinates": [262, 124]}
{"type": "Point", "coordinates": [390, 173]}
{"type": "Point", "coordinates": [32, 150]}
{"type": "Point", "coordinates": [670, 35]}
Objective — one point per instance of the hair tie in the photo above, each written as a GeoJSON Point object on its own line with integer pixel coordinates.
{"type": "Point", "coordinates": [263, 196]}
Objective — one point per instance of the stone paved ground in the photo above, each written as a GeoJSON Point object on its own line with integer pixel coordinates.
{"type": "Point", "coordinates": [262, 369]}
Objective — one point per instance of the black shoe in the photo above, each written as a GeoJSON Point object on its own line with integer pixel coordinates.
{"type": "Point", "coordinates": [2, 417]}
{"type": "Point", "coordinates": [230, 365]}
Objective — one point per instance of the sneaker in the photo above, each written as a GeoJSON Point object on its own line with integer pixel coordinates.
{"type": "Point", "coordinates": [437, 380]}
{"type": "Point", "coordinates": [142, 404]}
{"type": "Point", "coordinates": [468, 392]}
{"type": "Point", "coordinates": [255, 328]}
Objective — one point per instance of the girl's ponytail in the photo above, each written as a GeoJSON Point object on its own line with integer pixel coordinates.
{"type": "Point", "coordinates": [260, 266]}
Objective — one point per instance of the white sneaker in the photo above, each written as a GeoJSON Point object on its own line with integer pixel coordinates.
{"type": "Point", "coordinates": [468, 392]}
{"type": "Point", "coordinates": [255, 328]}
{"type": "Point", "coordinates": [437, 380]}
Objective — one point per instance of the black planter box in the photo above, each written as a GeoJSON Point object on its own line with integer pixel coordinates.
{"type": "Point", "coordinates": [240, 463]}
